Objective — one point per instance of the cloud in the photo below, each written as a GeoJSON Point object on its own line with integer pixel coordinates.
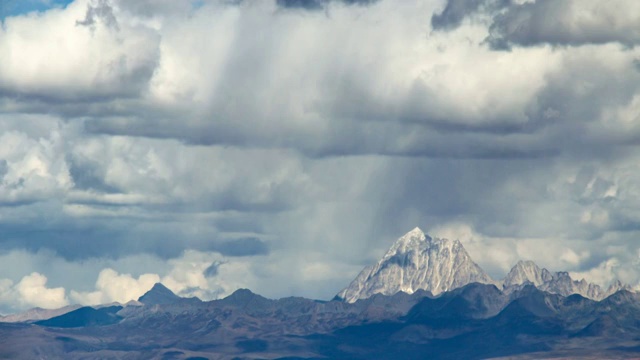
{"type": "Point", "coordinates": [532, 23]}
{"type": "Point", "coordinates": [155, 9]}
{"type": "Point", "coordinates": [116, 61]}
{"type": "Point", "coordinates": [243, 247]}
{"type": "Point", "coordinates": [188, 275]}
{"type": "Point", "coordinates": [454, 12]}
{"type": "Point", "coordinates": [413, 112]}
{"type": "Point", "coordinates": [114, 287]}
{"type": "Point", "coordinates": [212, 270]}
{"type": "Point", "coordinates": [32, 169]}
{"type": "Point", "coordinates": [571, 23]}
{"type": "Point", "coordinates": [318, 4]}
{"type": "Point", "coordinates": [605, 273]}
{"type": "Point", "coordinates": [102, 12]}
{"type": "Point", "coordinates": [236, 140]}
{"type": "Point", "coordinates": [31, 291]}
{"type": "Point", "coordinates": [303, 4]}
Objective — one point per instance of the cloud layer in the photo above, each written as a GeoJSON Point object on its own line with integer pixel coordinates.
{"type": "Point", "coordinates": [282, 145]}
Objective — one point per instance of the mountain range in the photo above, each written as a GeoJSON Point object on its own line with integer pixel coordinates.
{"type": "Point", "coordinates": [418, 261]}
{"type": "Point", "coordinates": [425, 298]}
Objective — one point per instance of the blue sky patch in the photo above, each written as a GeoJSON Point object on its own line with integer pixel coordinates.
{"type": "Point", "coordinates": [18, 7]}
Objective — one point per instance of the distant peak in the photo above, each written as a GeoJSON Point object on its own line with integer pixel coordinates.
{"type": "Point", "coordinates": [526, 263]}
{"type": "Point", "coordinates": [413, 238]}
{"type": "Point", "coordinates": [416, 233]}
{"type": "Point", "coordinates": [417, 240]}
{"type": "Point", "coordinates": [159, 294]}
{"type": "Point", "coordinates": [160, 287]}
{"type": "Point", "coordinates": [526, 271]}
{"type": "Point", "coordinates": [133, 303]}
{"type": "Point", "coordinates": [416, 230]}
{"type": "Point", "coordinates": [242, 292]}
{"type": "Point", "coordinates": [243, 297]}
{"type": "Point", "coordinates": [618, 284]}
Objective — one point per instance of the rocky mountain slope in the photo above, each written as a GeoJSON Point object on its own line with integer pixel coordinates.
{"type": "Point", "coordinates": [37, 314]}
{"type": "Point", "coordinates": [416, 262]}
{"type": "Point", "coordinates": [476, 321]}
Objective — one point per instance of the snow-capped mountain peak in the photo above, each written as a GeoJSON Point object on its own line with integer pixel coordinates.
{"type": "Point", "coordinates": [414, 262]}
{"type": "Point", "coordinates": [526, 271]}
{"type": "Point", "coordinates": [413, 240]}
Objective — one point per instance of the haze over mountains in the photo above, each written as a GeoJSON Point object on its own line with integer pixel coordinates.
{"type": "Point", "coordinates": [425, 298]}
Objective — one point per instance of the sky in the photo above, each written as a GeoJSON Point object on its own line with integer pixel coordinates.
{"type": "Point", "coordinates": [283, 145]}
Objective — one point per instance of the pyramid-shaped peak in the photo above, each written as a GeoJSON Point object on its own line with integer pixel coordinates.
{"type": "Point", "coordinates": [527, 264]}
{"type": "Point", "coordinates": [159, 288]}
{"type": "Point", "coordinates": [242, 294]}
{"type": "Point", "coordinates": [159, 294]}
{"type": "Point", "coordinates": [416, 262]}
{"type": "Point", "coordinates": [416, 233]}
{"type": "Point", "coordinates": [243, 298]}
{"type": "Point", "coordinates": [527, 271]}
{"type": "Point", "coordinates": [412, 239]}
{"type": "Point", "coordinates": [621, 296]}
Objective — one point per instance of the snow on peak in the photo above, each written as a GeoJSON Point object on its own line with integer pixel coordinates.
{"type": "Point", "coordinates": [416, 232]}
{"type": "Point", "coordinates": [417, 262]}
{"type": "Point", "coordinates": [414, 239]}
{"type": "Point", "coordinates": [414, 236]}
{"type": "Point", "coordinates": [527, 272]}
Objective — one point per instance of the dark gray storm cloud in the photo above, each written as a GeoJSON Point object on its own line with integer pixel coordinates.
{"type": "Point", "coordinates": [563, 23]}
{"type": "Point", "coordinates": [101, 11]}
{"type": "Point", "coordinates": [318, 4]}
{"type": "Point", "coordinates": [302, 4]}
{"type": "Point", "coordinates": [454, 12]}
{"type": "Point", "coordinates": [532, 23]}
{"type": "Point", "coordinates": [89, 176]}
{"type": "Point", "coordinates": [436, 139]}
{"type": "Point", "coordinates": [4, 168]}
{"type": "Point", "coordinates": [242, 247]}
{"type": "Point", "coordinates": [212, 270]}
{"type": "Point", "coordinates": [164, 236]}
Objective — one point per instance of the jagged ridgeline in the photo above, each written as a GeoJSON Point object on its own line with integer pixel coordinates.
{"type": "Point", "coordinates": [417, 261]}
{"type": "Point", "coordinates": [425, 299]}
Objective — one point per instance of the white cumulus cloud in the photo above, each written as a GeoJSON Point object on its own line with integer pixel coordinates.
{"type": "Point", "coordinates": [31, 291]}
